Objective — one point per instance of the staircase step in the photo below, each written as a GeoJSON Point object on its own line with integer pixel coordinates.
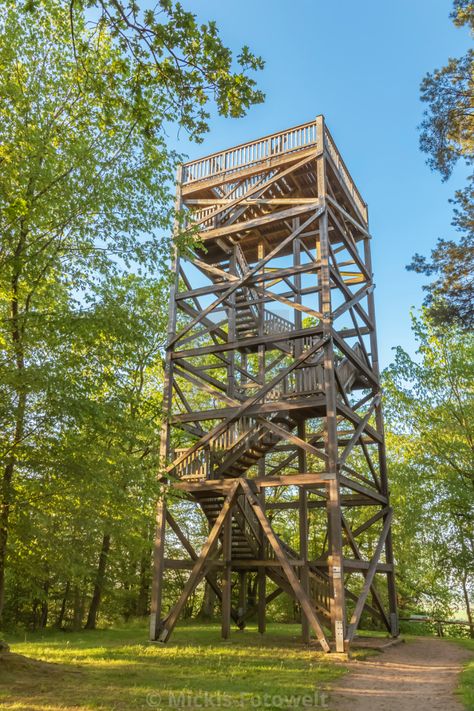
{"type": "Point", "coordinates": [244, 316]}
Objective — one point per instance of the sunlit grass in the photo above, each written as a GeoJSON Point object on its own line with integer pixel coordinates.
{"type": "Point", "coordinates": [466, 683]}
{"type": "Point", "coordinates": [118, 669]}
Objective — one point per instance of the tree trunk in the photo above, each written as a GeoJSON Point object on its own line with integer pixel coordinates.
{"type": "Point", "coordinates": [60, 619]}
{"type": "Point", "coordinates": [468, 605]}
{"type": "Point", "coordinates": [44, 606]}
{"type": "Point", "coordinates": [251, 591]}
{"type": "Point", "coordinates": [208, 603]}
{"type": "Point", "coordinates": [78, 611]}
{"type": "Point", "coordinates": [34, 614]}
{"type": "Point", "coordinates": [9, 470]}
{"type": "Point", "coordinates": [4, 518]}
{"type": "Point", "coordinates": [99, 584]}
{"type": "Point", "coordinates": [144, 589]}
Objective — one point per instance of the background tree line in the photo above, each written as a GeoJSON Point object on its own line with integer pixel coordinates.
{"type": "Point", "coordinates": [88, 91]}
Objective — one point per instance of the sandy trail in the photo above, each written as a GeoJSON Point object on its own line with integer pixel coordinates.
{"type": "Point", "coordinates": [420, 675]}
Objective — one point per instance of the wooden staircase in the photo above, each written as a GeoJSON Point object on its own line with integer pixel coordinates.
{"type": "Point", "coordinates": [251, 447]}
{"type": "Point", "coordinates": [245, 547]}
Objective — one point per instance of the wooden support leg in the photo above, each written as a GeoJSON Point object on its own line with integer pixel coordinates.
{"type": "Point", "coordinates": [392, 590]}
{"type": "Point", "coordinates": [336, 572]}
{"type": "Point", "coordinates": [304, 535]}
{"type": "Point", "coordinates": [210, 576]}
{"type": "Point", "coordinates": [158, 570]}
{"type": "Point", "coordinates": [335, 566]}
{"type": "Point", "coordinates": [261, 575]}
{"type": "Point", "coordinates": [227, 577]}
{"type": "Point", "coordinates": [262, 578]}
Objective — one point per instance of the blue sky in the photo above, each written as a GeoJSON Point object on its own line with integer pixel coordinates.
{"type": "Point", "coordinates": [359, 64]}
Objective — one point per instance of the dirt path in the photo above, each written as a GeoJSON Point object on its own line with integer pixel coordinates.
{"type": "Point", "coordinates": [420, 675]}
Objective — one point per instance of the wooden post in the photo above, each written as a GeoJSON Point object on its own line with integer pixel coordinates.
{"type": "Point", "coordinates": [336, 571]}
{"type": "Point", "coordinates": [158, 569]}
{"type": "Point", "coordinates": [227, 576]}
{"type": "Point", "coordinates": [392, 589]}
{"type": "Point", "coordinates": [160, 518]}
{"type": "Point", "coordinates": [232, 320]}
{"type": "Point", "coordinates": [261, 576]}
{"type": "Point", "coordinates": [302, 467]}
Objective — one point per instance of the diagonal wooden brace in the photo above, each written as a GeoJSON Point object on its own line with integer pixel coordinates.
{"type": "Point", "coordinates": [210, 577]}
{"type": "Point", "coordinates": [302, 597]}
{"type": "Point", "coordinates": [368, 581]}
{"type": "Point", "coordinates": [241, 282]}
{"type": "Point", "coordinates": [355, 548]}
{"type": "Point", "coordinates": [199, 567]}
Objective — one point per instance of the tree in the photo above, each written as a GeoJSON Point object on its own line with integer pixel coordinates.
{"type": "Point", "coordinates": [169, 53]}
{"type": "Point", "coordinates": [430, 414]}
{"type": "Point", "coordinates": [92, 476]}
{"type": "Point", "coordinates": [85, 187]}
{"type": "Point", "coordinates": [447, 136]}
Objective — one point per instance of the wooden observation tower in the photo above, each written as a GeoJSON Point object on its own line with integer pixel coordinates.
{"type": "Point", "coordinates": [272, 385]}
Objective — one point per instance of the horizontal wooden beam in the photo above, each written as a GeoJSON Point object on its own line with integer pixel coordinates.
{"type": "Point", "coordinates": [346, 501]}
{"type": "Point", "coordinates": [250, 201]}
{"type": "Point", "coordinates": [256, 222]}
{"type": "Point", "coordinates": [247, 342]}
{"type": "Point", "coordinates": [352, 564]}
{"type": "Point", "coordinates": [305, 479]}
{"type": "Point", "coordinates": [265, 276]}
{"type": "Point", "coordinates": [314, 402]}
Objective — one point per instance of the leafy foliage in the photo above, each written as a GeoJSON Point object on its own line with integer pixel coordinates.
{"type": "Point", "coordinates": [430, 408]}
{"type": "Point", "coordinates": [88, 94]}
{"type": "Point", "coordinates": [168, 53]}
{"type": "Point", "coordinates": [447, 136]}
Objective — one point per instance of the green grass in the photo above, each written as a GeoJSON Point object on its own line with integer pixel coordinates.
{"type": "Point", "coordinates": [466, 683]}
{"type": "Point", "coordinates": [118, 670]}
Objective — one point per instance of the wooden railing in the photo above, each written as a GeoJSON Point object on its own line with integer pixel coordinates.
{"type": "Point", "coordinates": [232, 435]}
{"type": "Point", "coordinates": [253, 152]}
{"type": "Point", "coordinates": [273, 323]}
{"type": "Point", "coordinates": [301, 381]}
{"type": "Point", "coordinates": [198, 464]}
{"type": "Point", "coordinates": [247, 154]}
{"type": "Point", "coordinates": [194, 466]}
{"type": "Point", "coordinates": [344, 174]}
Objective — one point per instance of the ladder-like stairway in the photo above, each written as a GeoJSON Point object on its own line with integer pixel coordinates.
{"type": "Point", "coordinates": [245, 547]}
